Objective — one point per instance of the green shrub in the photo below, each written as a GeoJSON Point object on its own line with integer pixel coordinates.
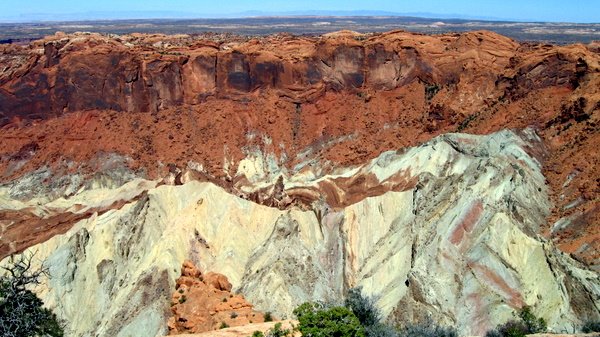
{"type": "Point", "coordinates": [362, 307]}
{"type": "Point", "coordinates": [533, 324]}
{"type": "Point", "coordinates": [512, 328]}
{"type": "Point", "coordinates": [427, 329]}
{"type": "Point", "coordinates": [258, 334]}
{"type": "Point", "coordinates": [317, 321]}
{"type": "Point", "coordinates": [182, 299]}
{"type": "Point", "coordinates": [277, 331]}
{"type": "Point", "coordinates": [528, 324]}
{"type": "Point", "coordinates": [431, 91]}
{"type": "Point", "coordinates": [21, 312]}
{"type": "Point", "coordinates": [591, 326]}
{"type": "Point", "coordinates": [368, 315]}
{"type": "Point", "coordinates": [493, 333]}
{"type": "Point", "coordinates": [380, 330]}
{"type": "Point", "coordinates": [268, 317]}
{"type": "Point", "coordinates": [223, 325]}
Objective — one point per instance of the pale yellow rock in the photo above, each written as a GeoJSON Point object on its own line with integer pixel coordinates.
{"type": "Point", "coordinates": [458, 247]}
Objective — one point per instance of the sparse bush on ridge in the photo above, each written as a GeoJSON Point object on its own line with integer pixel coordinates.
{"type": "Point", "coordinates": [21, 312]}
{"type": "Point", "coordinates": [533, 324]}
{"type": "Point", "coordinates": [591, 326]}
{"type": "Point", "coordinates": [512, 328]}
{"type": "Point", "coordinates": [363, 307]}
{"type": "Point", "coordinates": [367, 313]}
{"type": "Point", "coordinates": [277, 331]}
{"type": "Point", "coordinates": [427, 329]}
{"type": "Point", "coordinates": [528, 324]}
{"type": "Point", "coordinates": [380, 330]}
{"type": "Point", "coordinates": [493, 333]}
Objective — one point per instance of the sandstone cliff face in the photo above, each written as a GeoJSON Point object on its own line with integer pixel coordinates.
{"type": "Point", "coordinates": [447, 231]}
{"type": "Point", "coordinates": [70, 102]}
{"type": "Point", "coordinates": [149, 73]}
{"type": "Point", "coordinates": [137, 73]}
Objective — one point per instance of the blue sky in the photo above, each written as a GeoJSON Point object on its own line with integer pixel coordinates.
{"type": "Point", "coordinates": [539, 10]}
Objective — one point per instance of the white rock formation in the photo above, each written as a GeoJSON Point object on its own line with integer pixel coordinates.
{"type": "Point", "coordinates": [444, 230]}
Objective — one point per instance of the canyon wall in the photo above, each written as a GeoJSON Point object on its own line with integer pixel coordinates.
{"type": "Point", "coordinates": [71, 102]}
{"type": "Point", "coordinates": [145, 73]}
{"type": "Point", "coordinates": [452, 176]}
{"type": "Point", "coordinates": [450, 233]}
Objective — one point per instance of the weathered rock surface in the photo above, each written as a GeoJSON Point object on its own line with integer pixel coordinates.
{"type": "Point", "coordinates": [150, 73]}
{"type": "Point", "coordinates": [204, 302]}
{"type": "Point", "coordinates": [68, 101]}
{"type": "Point", "coordinates": [448, 230]}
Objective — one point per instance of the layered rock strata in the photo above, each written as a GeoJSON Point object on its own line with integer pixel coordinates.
{"type": "Point", "coordinates": [446, 230]}
{"type": "Point", "coordinates": [70, 102]}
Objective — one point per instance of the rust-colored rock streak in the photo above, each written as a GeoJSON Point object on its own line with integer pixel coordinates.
{"type": "Point", "coordinates": [467, 223]}
{"type": "Point", "coordinates": [20, 229]}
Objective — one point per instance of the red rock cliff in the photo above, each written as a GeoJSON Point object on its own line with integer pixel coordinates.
{"type": "Point", "coordinates": [150, 73]}
{"type": "Point", "coordinates": [345, 97]}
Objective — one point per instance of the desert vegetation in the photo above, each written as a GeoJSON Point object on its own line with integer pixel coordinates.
{"type": "Point", "coordinates": [358, 317]}
{"type": "Point", "coordinates": [21, 312]}
{"type": "Point", "coordinates": [591, 326]}
{"type": "Point", "coordinates": [527, 324]}
{"type": "Point", "coordinates": [318, 320]}
{"type": "Point", "coordinates": [276, 331]}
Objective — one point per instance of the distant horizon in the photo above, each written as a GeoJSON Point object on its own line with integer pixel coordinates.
{"type": "Point", "coordinates": [167, 15]}
{"type": "Point", "coordinates": [576, 11]}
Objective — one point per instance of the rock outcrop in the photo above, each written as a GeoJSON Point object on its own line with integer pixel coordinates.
{"type": "Point", "coordinates": [204, 302]}
{"type": "Point", "coordinates": [448, 231]}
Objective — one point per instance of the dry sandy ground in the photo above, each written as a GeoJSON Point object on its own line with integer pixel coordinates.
{"type": "Point", "coordinates": [247, 330]}
{"type": "Point", "coordinates": [241, 331]}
